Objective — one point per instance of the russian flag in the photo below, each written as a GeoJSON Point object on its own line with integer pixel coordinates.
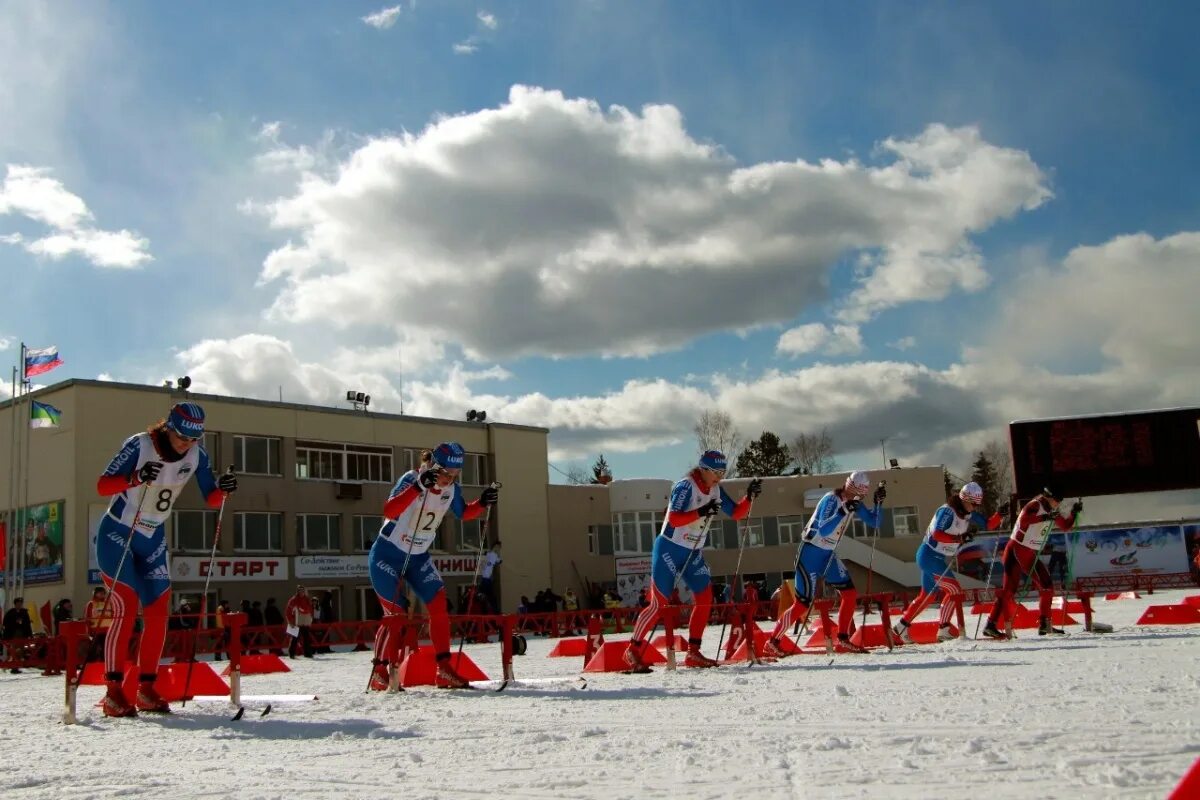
{"type": "Point", "coordinates": [41, 360]}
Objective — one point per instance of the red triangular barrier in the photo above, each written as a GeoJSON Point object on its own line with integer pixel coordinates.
{"type": "Point", "coordinates": [760, 638]}
{"type": "Point", "coordinates": [569, 648]}
{"type": "Point", "coordinates": [1194, 600]}
{"type": "Point", "coordinates": [1189, 786]}
{"type": "Point", "coordinates": [983, 608]}
{"type": "Point", "coordinates": [1026, 618]}
{"type": "Point", "coordinates": [681, 644]}
{"type": "Point", "coordinates": [1060, 617]}
{"type": "Point", "coordinates": [261, 664]}
{"type": "Point", "coordinates": [1122, 596]}
{"type": "Point", "coordinates": [868, 636]}
{"type": "Point", "coordinates": [818, 637]}
{"type": "Point", "coordinates": [1178, 614]}
{"type": "Point", "coordinates": [204, 681]}
{"type": "Point", "coordinates": [611, 658]}
{"type": "Point", "coordinates": [1072, 606]}
{"type": "Point", "coordinates": [420, 667]}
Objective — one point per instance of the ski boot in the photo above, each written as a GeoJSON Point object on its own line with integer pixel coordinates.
{"type": "Point", "coordinates": [380, 678]}
{"type": "Point", "coordinates": [115, 703]}
{"type": "Point", "coordinates": [945, 633]}
{"type": "Point", "coordinates": [843, 641]}
{"type": "Point", "coordinates": [773, 649]}
{"type": "Point", "coordinates": [633, 657]}
{"type": "Point", "coordinates": [992, 632]}
{"type": "Point", "coordinates": [448, 678]}
{"type": "Point", "coordinates": [695, 658]}
{"type": "Point", "coordinates": [902, 634]}
{"type": "Point", "coordinates": [1044, 627]}
{"type": "Point", "coordinates": [148, 699]}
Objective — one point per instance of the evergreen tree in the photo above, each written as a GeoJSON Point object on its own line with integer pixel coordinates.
{"type": "Point", "coordinates": [983, 472]}
{"type": "Point", "coordinates": [763, 457]}
{"type": "Point", "coordinates": [948, 480]}
{"type": "Point", "coordinates": [601, 472]}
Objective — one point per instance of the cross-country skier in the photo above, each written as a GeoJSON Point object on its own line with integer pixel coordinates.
{"type": "Point", "coordinates": [948, 530]}
{"type": "Point", "coordinates": [817, 558]}
{"type": "Point", "coordinates": [412, 514]}
{"type": "Point", "coordinates": [695, 501]}
{"type": "Point", "coordinates": [144, 480]}
{"type": "Point", "coordinates": [1021, 558]}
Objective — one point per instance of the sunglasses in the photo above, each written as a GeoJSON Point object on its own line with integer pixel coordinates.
{"type": "Point", "coordinates": [179, 435]}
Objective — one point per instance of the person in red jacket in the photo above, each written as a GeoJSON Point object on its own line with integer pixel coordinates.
{"type": "Point", "coordinates": [1021, 559]}
{"type": "Point", "coordinates": [299, 615]}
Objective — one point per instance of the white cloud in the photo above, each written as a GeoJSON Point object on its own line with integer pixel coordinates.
{"type": "Point", "coordinates": [466, 47]}
{"type": "Point", "coordinates": [487, 20]}
{"type": "Point", "coordinates": [903, 343]}
{"type": "Point", "coordinates": [32, 193]}
{"type": "Point", "coordinates": [6, 342]}
{"type": "Point", "coordinates": [590, 220]}
{"type": "Point", "coordinates": [383, 18]}
{"type": "Point", "coordinates": [840, 340]}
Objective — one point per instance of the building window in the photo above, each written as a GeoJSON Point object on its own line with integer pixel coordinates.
{"type": "Point", "coordinates": [591, 540]}
{"type": "Point", "coordinates": [257, 532]}
{"type": "Point", "coordinates": [753, 532]}
{"type": "Point", "coordinates": [634, 531]}
{"type": "Point", "coordinates": [256, 455]}
{"type": "Point", "coordinates": [410, 459]}
{"type": "Point", "coordinates": [475, 471]}
{"type": "Point", "coordinates": [330, 461]}
{"type": "Point", "coordinates": [468, 535]}
{"type": "Point", "coordinates": [194, 531]}
{"type": "Point", "coordinates": [858, 529]}
{"type": "Point", "coordinates": [791, 529]}
{"type": "Point", "coordinates": [904, 519]}
{"type": "Point", "coordinates": [209, 442]}
{"type": "Point", "coordinates": [319, 533]}
{"type": "Point", "coordinates": [366, 528]}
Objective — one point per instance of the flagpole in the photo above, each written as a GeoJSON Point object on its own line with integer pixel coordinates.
{"type": "Point", "coordinates": [10, 561]}
{"type": "Point", "coordinates": [25, 474]}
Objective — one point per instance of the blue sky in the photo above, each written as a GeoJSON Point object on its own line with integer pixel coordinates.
{"type": "Point", "coordinates": [912, 221]}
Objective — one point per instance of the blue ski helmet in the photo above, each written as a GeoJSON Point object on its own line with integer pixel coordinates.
{"type": "Point", "coordinates": [448, 455]}
{"type": "Point", "coordinates": [187, 420]}
{"type": "Point", "coordinates": [714, 460]}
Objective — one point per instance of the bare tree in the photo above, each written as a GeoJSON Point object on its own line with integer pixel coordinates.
{"type": "Point", "coordinates": [997, 453]}
{"type": "Point", "coordinates": [577, 475]}
{"type": "Point", "coordinates": [714, 431]}
{"type": "Point", "coordinates": [813, 454]}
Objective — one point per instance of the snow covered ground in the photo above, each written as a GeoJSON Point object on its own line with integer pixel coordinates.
{"type": "Point", "coordinates": [1085, 715]}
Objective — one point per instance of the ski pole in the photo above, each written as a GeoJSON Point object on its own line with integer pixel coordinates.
{"type": "Point", "coordinates": [737, 572]}
{"type": "Point", "coordinates": [187, 681]}
{"type": "Point", "coordinates": [91, 652]}
{"type": "Point", "coordinates": [483, 531]}
{"type": "Point", "coordinates": [871, 564]}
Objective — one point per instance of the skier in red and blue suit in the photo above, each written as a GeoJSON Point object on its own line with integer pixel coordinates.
{"type": "Point", "coordinates": [412, 514]}
{"type": "Point", "coordinates": [949, 529]}
{"type": "Point", "coordinates": [816, 558]}
{"type": "Point", "coordinates": [144, 480]}
{"type": "Point", "coordinates": [695, 501]}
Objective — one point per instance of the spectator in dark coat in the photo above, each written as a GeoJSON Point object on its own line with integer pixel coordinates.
{"type": "Point", "coordinates": [63, 612]}
{"type": "Point", "coordinates": [17, 624]}
{"type": "Point", "coordinates": [272, 616]}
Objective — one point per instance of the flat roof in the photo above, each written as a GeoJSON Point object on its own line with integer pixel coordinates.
{"type": "Point", "coordinates": [173, 395]}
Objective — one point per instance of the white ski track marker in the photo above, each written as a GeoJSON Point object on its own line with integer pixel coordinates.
{"type": "Point", "coordinates": [497, 686]}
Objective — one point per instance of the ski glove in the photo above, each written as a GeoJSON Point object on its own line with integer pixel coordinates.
{"type": "Point", "coordinates": [880, 494]}
{"type": "Point", "coordinates": [709, 509]}
{"type": "Point", "coordinates": [851, 506]}
{"type": "Point", "coordinates": [227, 483]}
{"type": "Point", "coordinates": [429, 477]}
{"type": "Point", "coordinates": [149, 471]}
{"type": "Point", "coordinates": [967, 537]}
{"type": "Point", "coordinates": [1078, 507]}
{"type": "Point", "coordinates": [754, 488]}
{"type": "Point", "coordinates": [489, 496]}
